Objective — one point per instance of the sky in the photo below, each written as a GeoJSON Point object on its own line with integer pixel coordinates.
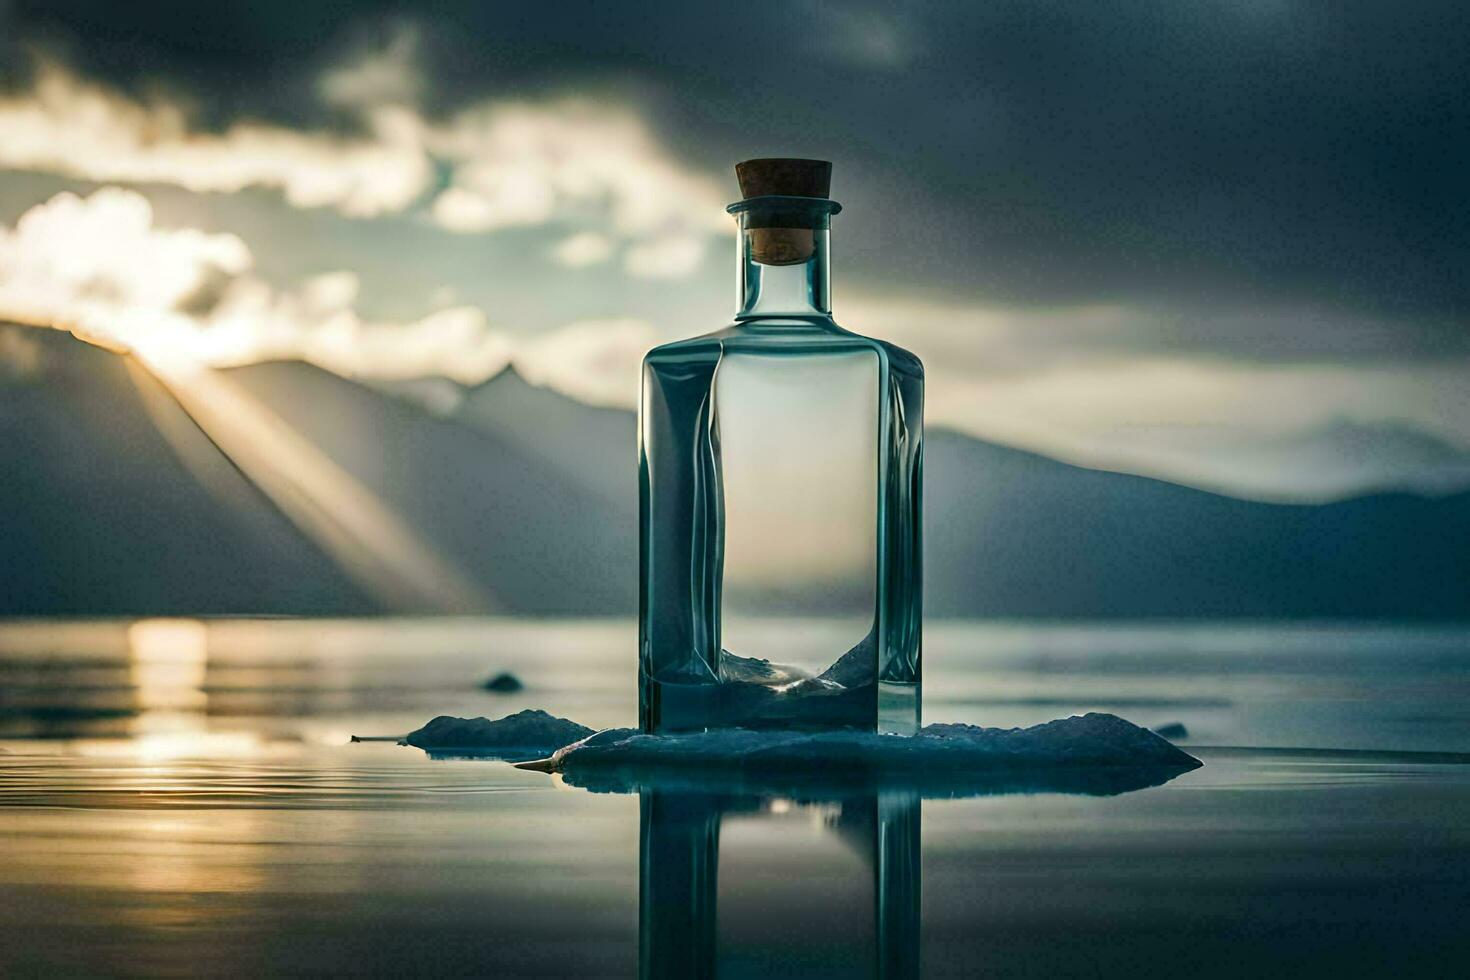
{"type": "Point", "coordinates": [1223, 243]}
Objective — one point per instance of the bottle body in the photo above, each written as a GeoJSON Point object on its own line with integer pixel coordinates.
{"type": "Point", "coordinates": [780, 467]}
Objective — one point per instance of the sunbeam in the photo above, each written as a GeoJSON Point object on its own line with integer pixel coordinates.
{"type": "Point", "coordinates": [353, 525]}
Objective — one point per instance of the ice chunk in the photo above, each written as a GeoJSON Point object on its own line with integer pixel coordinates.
{"type": "Point", "coordinates": [856, 667]}
{"type": "Point", "coordinates": [752, 670]}
{"type": "Point", "coordinates": [1097, 753]}
{"type": "Point", "coordinates": [1093, 753]}
{"type": "Point", "coordinates": [526, 733]}
{"type": "Point", "coordinates": [1093, 739]}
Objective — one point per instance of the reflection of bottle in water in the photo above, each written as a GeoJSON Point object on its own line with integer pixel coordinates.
{"type": "Point", "coordinates": [780, 464]}
{"type": "Point", "coordinates": [748, 886]}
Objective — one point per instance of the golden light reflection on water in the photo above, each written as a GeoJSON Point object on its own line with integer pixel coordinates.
{"type": "Point", "coordinates": [190, 856]}
{"type": "Point", "coordinates": [168, 661]}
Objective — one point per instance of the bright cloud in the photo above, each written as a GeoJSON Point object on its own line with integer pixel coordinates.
{"type": "Point", "coordinates": [68, 127]}
{"type": "Point", "coordinates": [101, 267]}
{"type": "Point", "coordinates": [596, 361]}
{"type": "Point", "coordinates": [509, 163]}
{"type": "Point", "coordinates": [668, 257]}
{"type": "Point", "coordinates": [520, 164]}
{"type": "Point", "coordinates": [527, 161]}
{"type": "Point", "coordinates": [388, 75]}
{"type": "Point", "coordinates": [98, 265]}
{"type": "Point", "coordinates": [582, 249]}
{"type": "Point", "coordinates": [103, 253]}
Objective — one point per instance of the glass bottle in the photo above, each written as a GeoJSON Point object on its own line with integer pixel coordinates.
{"type": "Point", "coordinates": [780, 463]}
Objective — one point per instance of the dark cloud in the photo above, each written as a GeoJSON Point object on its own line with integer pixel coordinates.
{"type": "Point", "coordinates": [1237, 161]}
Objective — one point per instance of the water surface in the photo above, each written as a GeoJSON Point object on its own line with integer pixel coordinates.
{"type": "Point", "coordinates": [181, 798]}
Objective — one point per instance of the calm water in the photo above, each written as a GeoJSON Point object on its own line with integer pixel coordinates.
{"type": "Point", "coordinates": [181, 798]}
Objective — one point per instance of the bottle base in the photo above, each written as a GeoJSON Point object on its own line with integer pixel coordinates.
{"type": "Point", "coordinates": [883, 707]}
{"type": "Point", "coordinates": [898, 708]}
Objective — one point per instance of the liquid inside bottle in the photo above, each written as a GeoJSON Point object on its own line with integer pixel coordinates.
{"type": "Point", "coordinates": [780, 467]}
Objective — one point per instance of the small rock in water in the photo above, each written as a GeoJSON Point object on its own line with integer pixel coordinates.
{"type": "Point", "coordinates": [525, 730]}
{"type": "Point", "coordinates": [1173, 730]}
{"type": "Point", "coordinates": [504, 683]}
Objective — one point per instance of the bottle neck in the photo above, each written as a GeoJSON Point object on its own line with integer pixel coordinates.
{"type": "Point", "coordinates": [783, 268]}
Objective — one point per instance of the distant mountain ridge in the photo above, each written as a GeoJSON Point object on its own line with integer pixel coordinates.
{"type": "Point", "coordinates": [1337, 460]}
{"type": "Point", "coordinates": [533, 497]}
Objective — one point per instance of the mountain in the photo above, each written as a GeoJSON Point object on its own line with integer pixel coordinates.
{"type": "Point", "coordinates": [532, 498]}
{"type": "Point", "coordinates": [505, 509]}
{"type": "Point", "coordinates": [104, 516]}
{"type": "Point", "coordinates": [1028, 536]}
{"type": "Point", "coordinates": [595, 447]}
{"type": "Point", "coordinates": [1340, 459]}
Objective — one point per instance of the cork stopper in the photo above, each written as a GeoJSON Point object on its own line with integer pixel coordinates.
{"type": "Point", "coordinates": [784, 176]}
{"type": "Point", "coordinates": [781, 238]}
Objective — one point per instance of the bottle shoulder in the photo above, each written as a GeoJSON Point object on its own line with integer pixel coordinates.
{"type": "Point", "coordinates": [901, 360]}
{"type": "Point", "coordinates": [809, 336]}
